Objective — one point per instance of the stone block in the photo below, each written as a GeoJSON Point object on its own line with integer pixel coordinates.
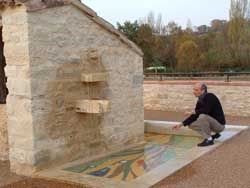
{"type": "Point", "coordinates": [16, 59]}
{"type": "Point", "coordinates": [13, 71]}
{"type": "Point", "coordinates": [92, 106]}
{"type": "Point", "coordinates": [21, 156]}
{"type": "Point", "coordinates": [94, 77]}
{"type": "Point", "coordinates": [18, 107]}
{"type": "Point", "coordinates": [21, 87]}
{"type": "Point", "coordinates": [20, 127]}
{"type": "Point", "coordinates": [4, 147]}
{"type": "Point", "coordinates": [23, 169]}
{"type": "Point", "coordinates": [21, 142]}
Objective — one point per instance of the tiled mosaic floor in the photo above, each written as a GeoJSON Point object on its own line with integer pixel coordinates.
{"type": "Point", "coordinates": [130, 164]}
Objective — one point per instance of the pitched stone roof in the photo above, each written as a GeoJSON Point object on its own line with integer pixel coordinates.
{"type": "Point", "coordinates": [34, 5]}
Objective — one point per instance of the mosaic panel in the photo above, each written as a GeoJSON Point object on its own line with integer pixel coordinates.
{"type": "Point", "coordinates": [130, 164]}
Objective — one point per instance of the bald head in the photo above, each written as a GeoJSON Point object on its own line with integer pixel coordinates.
{"type": "Point", "coordinates": [199, 89]}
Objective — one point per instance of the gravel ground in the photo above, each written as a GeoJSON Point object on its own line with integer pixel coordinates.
{"type": "Point", "coordinates": [41, 183]}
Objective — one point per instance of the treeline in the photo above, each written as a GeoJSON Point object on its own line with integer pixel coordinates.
{"type": "Point", "coordinates": [222, 46]}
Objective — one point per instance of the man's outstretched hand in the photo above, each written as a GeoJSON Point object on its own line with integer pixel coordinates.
{"type": "Point", "coordinates": [177, 127]}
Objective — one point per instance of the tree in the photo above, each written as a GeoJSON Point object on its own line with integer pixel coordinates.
{"type": "Point", "coordinates": [189, 57]}
{"type": "Point", "coordinates": [182, 37]}
{"type": "Point", "coordinates": [225, 45]}
{"type": "Point", "coordinates": [215, 47]}
{"type": "Point", "coordinates": [174, 33]}
{"type": "Point", "coordinates": [159, 25]}
{"type": "Point", "coordinates": [238, 32]}
{"type": "Point", "coordinates": [129, 29]}
{"type": "Point", "coordinates": [218, 25]}
{"type": "Point", "coordinates": [145, 39]}
{"type": "Point", "coordinates": [151, 20]}
{"type": "Point", "coordinates": [189, 28]}
{"type": "Point", "coordinates": [173, 28]}
{"type": "Point", "coordinates": [202, 29]}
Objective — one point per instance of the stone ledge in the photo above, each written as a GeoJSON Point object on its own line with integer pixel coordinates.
{"type": "Point", "coordinates": [92, 106]}
{"type": "Point", "coordinates": [94, 77]}
{"type": "Point", "coordinates": [163, 127]}
{"type": "Point", "coordinates": [208, 82]}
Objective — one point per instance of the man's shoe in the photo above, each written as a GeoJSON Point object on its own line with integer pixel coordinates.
{"type": "Point", "coordinates": [216, 136]}
{"type": "Point", "coordinates": [206, 142]}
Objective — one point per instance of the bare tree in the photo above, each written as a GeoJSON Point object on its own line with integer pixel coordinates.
{"type": "Point", "coordinates": [238, 32]}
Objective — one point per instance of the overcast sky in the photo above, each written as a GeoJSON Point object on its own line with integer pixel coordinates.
{"type": "Point", "coordinates": [198, 11]}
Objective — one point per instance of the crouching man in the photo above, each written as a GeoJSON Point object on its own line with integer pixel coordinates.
{"type": "Point", "coordinates": [207, 117]}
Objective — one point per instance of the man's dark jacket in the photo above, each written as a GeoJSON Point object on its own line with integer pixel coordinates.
{"type": "Point", "coordinates": [208, 104]}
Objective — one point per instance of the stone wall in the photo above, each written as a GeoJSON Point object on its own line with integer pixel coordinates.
{"type": "Point", "coordinates": [20, 124]}
{"type": "Point", "coordinates": [46, 52]}
{"type": "Point", "coordinates": [4, 148]}
{"type": "Point", "coordinates": [178, 96]}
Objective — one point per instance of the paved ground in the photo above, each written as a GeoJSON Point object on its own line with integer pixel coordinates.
{"type": "Point", "coordinates": [226, 167]}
